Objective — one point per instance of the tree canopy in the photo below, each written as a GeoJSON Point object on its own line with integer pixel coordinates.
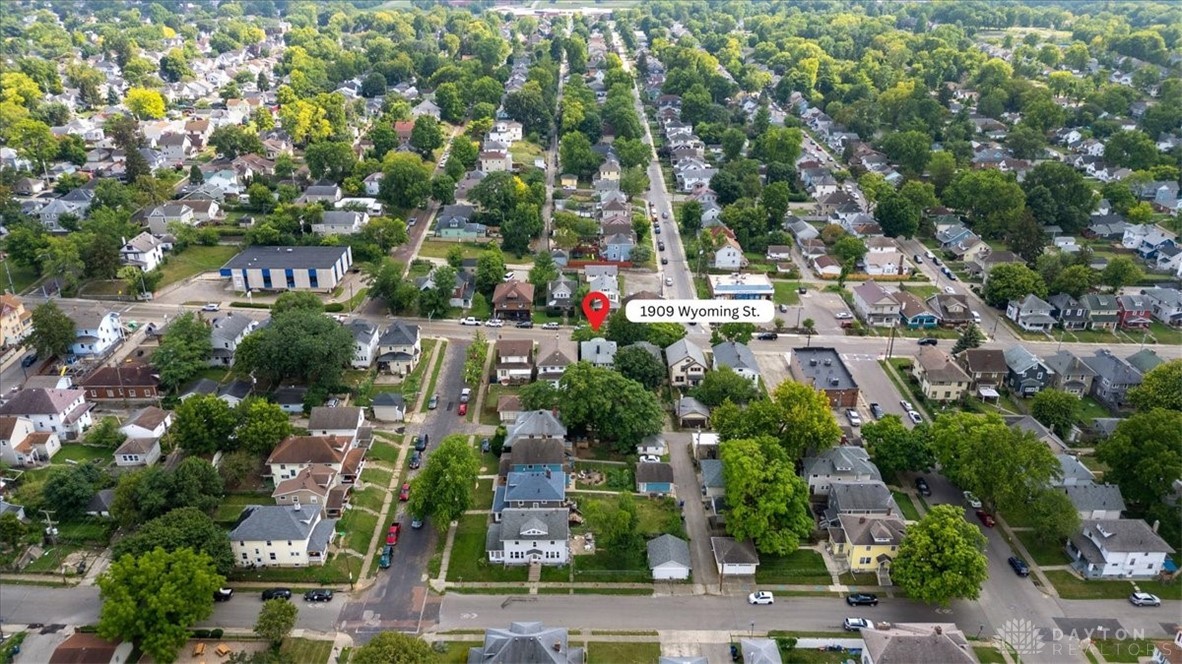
{"type": "Point", "coordinates": [797, 416]}
{"type": "Point", "coordinates": [768, 501]}
{"type": "Point", "coordinates": [942, 558]}
{"type": "Point", "coordinates": [443, 489]}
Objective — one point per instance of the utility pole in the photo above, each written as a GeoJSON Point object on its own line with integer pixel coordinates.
{"type": "Point", "coordinates": [50, 531]}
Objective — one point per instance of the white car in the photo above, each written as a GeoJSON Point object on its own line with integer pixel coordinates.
{"type": "Point", "coordinates": [668, 281]}
{"type": "Point", "coordinates": [470, 320]}
{"type": "Point", "coordinates": [649, 458]}
{"type": "Point", "coordinates": [508, 277]}
{"type": "Point", "coordinates": [854, 418]}
{"type": "Point", "coordinates": [950, 290]}
{"type": "Point", "coordinates": [550, 326]}
{"type": "Point", "coordinates": [1144, 599]}
{"type": "Point", "coordinates": [843, 315]}
{"type": "Point", "coordinates": [973, 501]}
{"type": "Point", "coordinates": [494, 322]}
{"type": "Point", "coordinates": [855, 624]}
{"type": "Point", "coordinates": [212, 306]}
{"type": "Point", "coordinates": [976, 317]}
{"type": "Point", "coordinates": [915, 417]}
{"type": "Point", "coordinates": [906, 405]}
{"type": "Point", "coordinates": [761, 597]}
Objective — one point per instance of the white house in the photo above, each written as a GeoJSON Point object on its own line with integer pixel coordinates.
{"type": "Point", "coordinates": [506, 131]}
{"type": "Point", "coordinates": [365, 342]}
{"type": "Point", "coordinates": [514, 360]}
{"type": "Point", "coordinates": [399, 348]}
{"type": "Point", "coordinates": [97, 331]}
{"type": "Point", "coordinates": [1118, 548]}
{"type": "Point", "coordinates": [729, 256]}
{"type": "Point", "coordinates": [225, 335]}
{"type": "Point", "coordinates": [876, 305]}
{"type": "Point", "coordinates": [143, 251]}
{"type": "Point", "coordinates": [844, 463]}
{"type": "Point", "coordinates": [281, 536]}
{"type": "Point", "coordinates": [686, 363]}
{"type": "Point", "coordinates": [63, 412]}
{"type": "Point", "coordinates": [739, 358]}
{"type": "Point", "coordinates": [669, 558]}
{"type": "Point", "coordinates": [527, 535]}
{"type": "Point", "coordinates": [21, 444]}
{"type": "Point", "coordinates": [491, 161]}
{"type": "Point", "coordinates": [323, 453]}
{"type": "Point", "coordinates": [734, 558]}
{"type": "Point", "coordinates": [336, 421]}
{"type": "Point", "coordinates": [340, 222]}
{"type": "Point", "coordinates": [162, 216]}
{"type": "Point", "coordinates": [553, 359]}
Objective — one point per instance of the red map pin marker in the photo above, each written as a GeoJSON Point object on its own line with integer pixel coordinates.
{"type": "Point", "coordinates": [594, 315]}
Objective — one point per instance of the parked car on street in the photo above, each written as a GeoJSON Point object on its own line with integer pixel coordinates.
{"type": "Point", "coordinates": [986, 518]}
{"type": "Point", "coordinates": [861, 599]}
{"type": "Point", "coordinates": [223, 594]}
{"type": "Point", "coordinates": [276, 593]}
{"type": "Point", "coordinates": [393, 533]}
{"type": "Point", "coordinates": [525, 324]}
{"type": "Point", "coordinates": [470, 320]}
{"type": "Point", "coordinates": [761, 597]}
{"type": "Point", "coordinates": [212, 306]}
{"type": "Point", "coordinates": [494, 322]}
{"type": "Point", "coordinates": [877, 411]}
{"type": "Point", "coordinates": [318, 595]}
{"type": "Point", "coordinates": [416, 522]}
{"type": "Point", "coordinates": [463, 410]}
{"type": "Point", "coordinates": [404, 493]}
{"type": "Point", "coordinates": [1144, 599]}
{"type": "Point", "coordinates": [854, 418]}
{"type": "Point", "coordinates": [928, 341]}
{"type": "Point", "coordinates": [843, 315]}
{"type": "Point", "coordinates": [914, 416]}
{"type": "Point", "coordinates": [433, 402]}
{"type": "Point", "coordinates": [921, 486]}
{"type": "Point", "coordinates": [972, 500]}
{"type": "Point", "coordinates": [550, 326]}
{"type": "Point", "coordinates": [855, 624]}
{"type": "Point", "coordinates": [1019, 566]}
{"type": "Point", "coordinates": [767, 336]}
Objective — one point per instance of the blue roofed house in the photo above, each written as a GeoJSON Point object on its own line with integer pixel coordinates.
{"type": "Point", "coordinates": [537, 489]}
{"type": "Point", "coordinates": [454, 222]}
{"type": "Point", "coordinates": [949, 236]}
{"type": "Point", "coordinates": [654, 477]}
{"type": "Point", "coordinates": [281, 536]}
{"type": "Point", "coordinates": [1026, 374]}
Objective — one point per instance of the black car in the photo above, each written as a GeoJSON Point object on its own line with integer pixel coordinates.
{"type": "Point", "coordinates": [861, 599]}
{"type": "Point", "coordinates": [276, 593]}
{"type": "Point", "coordinates": [664, 261]}
{"type": "Point", "coordinates": [29, 360]}
{"type": "Point", "coordinates": [525, 324]}
{"type": "Point", "coordinates": [928, 341]}
{"type": "Point", "coordinates": [876, 411]}
{"type": "Point", "coordinates": [661, 246]}
{"type": "Point", "coordinates": [318, 595]}
{"type": "Point", "coordinates": [421, 442]}
{"type": "Point", "coordinates": [767, 336]}
{"type": "Point", "coordinates": [736, 656]}
{"type": "Point", "coordinates": [1019, 566]}
{"type": "Point", "coordinates": [223, 594]}
{"type": "Point", "coordinates": [416, 460]}
{"type": "Point", "coordinates": [921, 485]}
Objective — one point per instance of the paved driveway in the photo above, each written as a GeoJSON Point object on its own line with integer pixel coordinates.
{"type": "Point", "coordinates": [684, 475]}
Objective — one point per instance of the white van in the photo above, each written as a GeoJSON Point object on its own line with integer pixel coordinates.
{"type": "Point", "coordinates": [976, 317]}
{"type": "Point", "coordinates": [465, 394]}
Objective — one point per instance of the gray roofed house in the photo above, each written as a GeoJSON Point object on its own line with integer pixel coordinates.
{"type": "Point", "coordinates": [388, 407]}
{"type": "Point", "coordinates": [534, 424]}
{"type": "Point", "coordinates": [669, 557]}
{"type": "Point", "coordinates": [712, 479]}
{"type": "Point", "coordinates": [1144, 360]}
{"type": "Point", "coordinates": [860, 498]}
{"type": "Point", "coordinates": [686, 363]}
{"type": "Point", "coordinates": [528, 535]}
{"type": "Point", "coordinates": [843, 463]}
{"type": "Point", "coordinates": [734, 557]}
{"type": "Point", "coordinates": [598, 351]}
{"type": "Point", "coordinates": [760, 651]}
{"type": "Point", "coordinates": [199, 387]}
{"type": "Point", "coordinates": [1026, 373]}
{"type": "Point", "coordinates": [651, 348]}
{"type": "Point", "coordinates": [235, 391]}
{"type": "Point", "coordinates": [915, 643]}
{"type": "Point", "coordinates": [1114, 378]}
{"type": "Point", "coordinates": [1071, 374]}
{"type": "Point", "coordinates": [1096, 501]}
{"type": "Point", "coordinates": [6, 507]}
{"type": "Point", "coordinates": [307, 536]}
{"type": "Point", "coordinates": [1118, 548]}
{"type": "Point", "coordinates": [691, 412]}
{"type": "Point", "coordinates": [526, 643]}
{"type": "Point", "coordinates": [1032, 313]}
{"type": "Point", "coordinates": [100, 503]}
{"type": "Point", "coordinates": [653, 477]}
{"type": "Point", "coordinates": [1073, 471]}
{"type": "Point", "coordinates": [543, 486]}
{"type": "Point", "coordinates": [225, 334]}
{"type": "Point", "coordinates": [737, 356]}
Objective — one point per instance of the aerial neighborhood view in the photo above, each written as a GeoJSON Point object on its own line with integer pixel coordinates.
{"type": "Point", "coordinates": [590, 331]}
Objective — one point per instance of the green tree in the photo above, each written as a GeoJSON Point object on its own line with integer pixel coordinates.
{"type": "Point", "coordinates": [33, 140]}
{"type": "Point", "coordinates": [1012, 281]}
{"type": "Point", "coordinates": [982, 454]}
{"type": "Point", "coordinates": [780, 145]}
{"type": "Point", "coordinates": [297, 344]}
{"type": "Point", "coordinates": [543, 271]}
{"type": "Point", "coordinates": [1053, 516]}
{"type": "Point", "coordinates": [182, 528]}
{"type": "Point", "coordinates": [722, 385]}
{"type": "Point", "coordinates": [1056, 409]}
{"type": "Point", "coordinates": [435, 301]}
{"type": "Point", "coordinates": [394, 648]}
{"type": "Point", "coordinates": [634, 181]}
{"type": "Point", "coordinates": [1144, 456]}
{"type": "Point", "coordinates": [184, 351]}
{"type": "Point", "coordinates": [972, 337]}
{"type": "Point", "coordinates": [69, 488]}
{"type": "Point", "coordinates": [632, 152]}
{"type": "Point", "coordinates": [797, 415]}
{"type": "Point", "coordinates": [849, 250]}
{"type": "Point", "coordinates": [942, 558]}
{"type": "Point", "coordinates": [152, 600]}
{"type": "Point", "coordinates": [1075, 280]}
{"type": "Point", "coordinates": [144, 104]}
{"type": "Point", "coordinates": [475, 359]}
{"type": "Point", "coordinates": [490, 270]}
{"type": "Point", "coordinates": [989, 197]}
{"type": "Point", "coordinates": [443, 489]}
{"type": "Point", "coordinates": [12, 530]}
{"type": "Point", "coordinates": [1131, 149]}
{"type": "Point", "coordinates": [1067, 201]}
{"type": "Point", "coordinates": [576, 155]}
{"type": "Point", "coordinates": [1026, 142]}
{"type": "Point", "coordinates": [942, 169]}
{"type": "Point", "coordinates": [204, 424]}
{"type": "Point", "coordinates": [636, 363]}
{"type": "Point", "coordinates": [330, 160]}
{"type": "Point", "coordinates": [53, 331]}
{"type": "Point", "coordinates": [263, 425]}
{"type": "Point", "coordinates": [406, 181]}
{"type": "Point", "coordinates": [768, 501]}
{"type": "Point", "coordinates": [261, 198]}
{"type": "Point", "coordinates": [464, 150]}
{"type": "Point", "coordinates": [911, 149]}
{"type": "Point", "coordinates": [297, 301]}
{"type": "Point", "coordinates": [691, 217]}
{"type": "Point", "coordinates": [451, 102]}
{"type": "Point", "coordinates": [775, 198]}
{"type": "Point", "coordinates": [1121, 271]}
{"type": "Point", "coordinates": [898, 216]}
{"type": "Point", "coordinates": [443, 189]}
{"type": "Point", "coordinates": [276, 620]}
{"type": "Point", "coordinates": [426, 136]}
{"type": "Point", "coordinates": [895, 449]}
{"type": "Point", "coordinates": [733, 142]}
{"type": "Point", "coordinates": [105, 433]}
{"type": "Point", "coordinates": [231, 141]}
{"type": "Point", "coordinates": [605, 403]}
{"type": "Point", "coordinates": [1161, 387]}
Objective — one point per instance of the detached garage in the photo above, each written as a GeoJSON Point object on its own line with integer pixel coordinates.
{"type": "Point", "coordinates": [734, 558]}
{"type": "Point", "coordinates": [669, 558]}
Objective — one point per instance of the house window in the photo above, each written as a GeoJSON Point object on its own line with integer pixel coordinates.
{"type": "Point", "coordinates": [868, 548]}
{"type": "Point", "coordinates": [131, 393]}
{"type": "Point", "coordinates": [244, 556]}
{"type": "Point", "coordinates": [272, 556]}
{"type": "Point", "coordinates": [864, 561]}
{"type": "Point", "coordinates": [110, 393]}
{"type": "Point", "coordinates": [268, 542]}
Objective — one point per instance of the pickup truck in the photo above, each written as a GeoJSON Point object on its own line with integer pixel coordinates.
{"type": "Point", "coordinates": [470, 320]}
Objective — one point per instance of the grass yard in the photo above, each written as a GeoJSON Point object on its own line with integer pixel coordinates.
{"type": "Point", "coordinates": [468, 559]}
{"type": "Point", "coordinates": [16, 277]}
{"type": "Point", "coordinates": [413, 382]}
{"type": "Point", "coordinates": [482, 496]}
{"type": "Point", "coordinates": [1165, 334]}
{"type": "Point", "coordinates": [1124, 650]}
{"type": "Point", "coordinates": [306, 650]}
{"type": "Point", "coordinates": [906, 506]}
{"type": "Point", "coordinates": [989, 655]}
{"type": "Point", "coordinates": [86, 531]}
{"type": "Point", "coordinates": [439, 248]}
{"type": "Point", "coordinates": [1070, 587]}
{"type": "Point", "coordinates": [457, 651]}
{"type": "Point", "coordinates": [79, 453]}
{"type": "Point", "coordinates": [811, 656]}
{"type": "Point", "coordinates": [337, 569]}
{"type": "Point", "coordinates": [524, 152]}
{"type": "Point", "coordinates": [658, 516]}
{"type": "Point", "coordinates": [378, 476]}
{"type": "Point", "coordinates": [801, 567]}
{"type": "Point", "coordinates": [623, 652]}
{"type": "Point", "coordinates": [370, 498]}
{"type": "Point", "coordinates": [1094, 465]}
{"type": "Point", "coordinates": [922, 291]}
{"type": "Point", "coordinates": [556, 574]}
{"type": "Point", "coordinates": [51, 561]}
{"type": "Point", "coordinates": [786, 292]}
{"type": "Point", "coordinates": [935, 333]}
{"type": "Point", "coordinates": [1091, 409]}
{"type": "Point", "coordinates": [438, 368]}
{"type": "Point", "coordinates": [193, 261]}
{"type": "Point", "coordinates": [1043, 554]}
{"type": "Point", "coordinates": [103, 287]}
{"type": "Point", "coordinates": [617, 477]}
{"type": "Point", "coordinates": [381, 450]}
{"type": "Point", "coordinates": [231, 505]}
{"type": "Point", "coordinates": [608, 566]}
{"type": "Point", "coordinates": [488, 411]}
{"type": "Point", "coordinates": [358, 528]}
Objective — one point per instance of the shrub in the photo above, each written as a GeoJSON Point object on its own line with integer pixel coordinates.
{"type": "Point", "coordinates": [201, 633]}
{"type": "Point", "coordinates": [334, 307]}
{"type": "Point", "coordinates": [216, 633]}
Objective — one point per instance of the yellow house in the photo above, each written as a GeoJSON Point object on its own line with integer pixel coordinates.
{"type": "Point", "coordinates": [570, 182]}
{"type": "Point", "coordinates": [940, 378]}
{"type": "Point", "coordinates": [15, 321]}
{"type": "Point", "coordinates": [868, 543]}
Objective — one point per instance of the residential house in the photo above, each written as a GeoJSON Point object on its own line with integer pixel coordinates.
{"type": "Point", "coordinates": [534, 424]}
{"type": "Point", "coordinates": [669, 558]}
{"type": "Point", "coordinates": [144, 430]}
{"type": "Point", "coordinates": [493, 161]}
{"type": "Point", "coordinates": [16, 322]}
{"type": "Point", "coordinates": [607, 284]}
{"type": "Point", "coordinates": [1146, 240]}
{"type": "Point", "coordinates": [63, 412]}
{"type": "Point", "coordinates": [903, 643]}
{"type": "Point", "coordinates": [686, 363]}
{"type": "Point", "coordinates": [759, 650]}
{"type": "Point", "coordinates": [739, 358]}
{"type": "Point", "coordinates": [741, 286]}
{"type": "Point", "coordinates": [951, 309]}
{"type": "Point", "coordinates": [1095, 501]}
{"type": "Point", "coordinates": [1118, 549]}
{"type": "Point", "coordinates": [1164, 650]}
{"type": "Point", "coordinates": [235, 392]}
{"type": "Point", "coordinates": [527, 643]}
{"type": "Point", "coordinates": [365, 342]}
{"type": "Point", "coordinates": [654, 478]}
{"type": "Point", "coordinates": [875, 305]}
{"type": "Point", "coordinates": [321, 453]}
{"type": "Point", "coordinates": [126, 382]}
{"type": "Point", "coordinates": [508, 408]}
{"type": "Point", "coordinates": [1114, 378]}
{"type": "Point", "coordinates": [162, 216]}
{"type": "Point", "coordinates": [618, 246]}
{"type": "Point", "coordinates": [225, 334]}
{"type": "Point", "coordinates": [940, 378]}
{"type": "Point", "coordinates": [312, 488]}
{"type": "Point", "coordinates": [860, 499]}
{"type": "Point", "coordinates": [97, 331]}
{"type": "Point", "coordinates": [730, 255]}
{"type": "Point", "coordinates": [461, 295]}
{"type": "Point", "coordinates": [914, 314]}
{"type": "Point", "coordinates": [843, 463]}
{"type": "Point", "coordinates": [1032, 313]}
{"type": "Point", "coordinates": [143, 251]}
{"type": "Point", "coordinates": [345, 422]}
{"type": "Point", "coordinates": [514, 361]}
{"type": "Point", "coordinates": [1144, 360]}
{"type": "Point", "coordinates": [425, 107]}
{"type": "Point", "coordinates": [543, 489]}
{"type": "Point", "coordinates": [513, 300]}
{"type": "Point", "coordinates": [1134, 312]}
{"type": "Point", "coordinates": [1070, 373]}
{"type": "Point", "coordinates": [560, 293]}
{"type": "Point", "coordinates": [388, 407]}
{"type": "Point", "coordinates": [399, 349]}
{"type": "Point", "coordinates": [198, 387]}
{"type": "Point", "coordinates": [281, 536]}
{"type": "Point", "coordinates": [528, 536]}
{"type": "Point", "coordinates": [866, 544]}
{"type": "Point", "coordinates": [1026, 374]}
{"type": "Point", "coordinates": [175, 148]}
{"type": "Point", "coordinates": [534, 455]}
{"type": "Point", "coordinates": [598, 351]}
{"type": "Point", "coordinates": [986, 367]}
{"type": "Point", "coordinates": [340, 222]}
{"type": "Point", "coordinates": [553, 359]}
{"type": "Point", "coordinates": [734, 558]}
{"type": "Point", "coordinates": [320, 193]}
{"type": "Point", "coordinates": [290, 399]}
{"type": "Point", "coordinates": [21, 444]}
{"type": "Point", "coordinates": [86, 647]}
{"type": "Point", "coordinates": [1068, 312]}
{"type": "Point", "coordinates": [1103, 310]}
{"type": "Point", "coordinates": [824, 369]}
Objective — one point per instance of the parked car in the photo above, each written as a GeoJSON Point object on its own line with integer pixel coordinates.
{"type": "Point", "coordinates": [664, 215]}
{"type": "Point", "coordinates": [656, 229]}
{"type": "Point", "coordinates": [433, 402]}
{"type": "Point", "coordinates": [276, 593]}
{"type": "Point", "coordinates": [661, 246]}
{"type": "Point", "coordinates": [525, 324]}
{"type": "Point", "coordinates": [649, 458]}
{"type": "Point", "coordinates": [906, 405]}
{"type": "Point", "coordinates": [767, 336]}
{"type": "Point", "coordinates": [918, 260]}
{"type": "Point", "coordinates": [861, 599]}
{"type": "Point", "coordinates": [29, 360]}
{"type": "Point", "coordinates": [470, 320]}
{"type": "Point", "coordinates": [855, 624]}
{"type": "Point", "coordinates": [976, 317]}
{"type": "Point", "coordinates": [463, 410]}
{"type": "Point", "coordinates": [973, 501]}
{"type": "Point", "coordinates": [668, 281]}
{"type": "Point", "coordinates": [420, 442]}
{"type": "Point", "coordinates": [843, 315]}
{"type": "Point", "coordinates": [761, 597]}
{"type": "Point", "coordinates": [393, 533]}
{"type": "Point", "coordinates": [921, 486]}
{"type": "Point", "coordinates": [508, 276]}
{"type": "Point", "coordinates": [416, 522]}
{"type": "Point", "coordinates": [664, 261]}
{"type": "Point", "coordinates": [950, 290]}
{"type": "Point", "coordinates": [385, 559]}
{"type": "Point", "coordinates": [494, 322]}
{"type": "Point", "coordinates": [212, 306]}
{"type": "Point", "coordinates": [914, 416]}
{"type": "Point", "coordinates": [223, 594]}
{"type": "Point", "coordinates": [318, 595]}
{"type": "Point", "coordinates": [416, 460]}
{"type": "Point", "coordinates": [465, 395]}
{"type": "Point", "coordinates": [928, 341]}
{"type": "Point", "coordinates": [986, 519]}
{"type": "Point", "coordinates": [404, 493]}
{"type": "Point", "coordinates": [550, 326]}
{"type": "Point", "coordinates": [1019, 566]}
{"type": "Point", "coordinates": [783, 308]}
{"type": "Point", "coordinates": [877, 411]}
{"type": "Point", "coordinates": [1144, 599]}
{"type": "Point", "coordinates": [854, 418]}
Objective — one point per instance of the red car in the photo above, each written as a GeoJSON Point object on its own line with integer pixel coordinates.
{"type": "Point", "coordinates": [404, 494]}
{"type": "Point", "coordinates": [986, 518]}
{"type": "Point", "coordinates": [463, 409]}
{"type": "Point", "coordinates": [392, 536]}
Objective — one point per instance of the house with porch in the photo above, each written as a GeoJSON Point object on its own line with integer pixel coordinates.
{"type": "Point", "coordinates": [867, 544]}
{"type": "Point", "coordinates": [843, 463]}
{"type": "Point", "coordinates": [940, 378]}
{"type": "Point", "coordinates": [1114, 378]}
{"type": "Point", "coordinates": [1118, 549]}
{"type": "Point", "coordinates": [226, 333]}
{"type": "Point", "coordinates": [686, 363]}
{"type": "Point", "coordinates": [1026, 374]}
{"type": "Point", "coordinates": [399, 349]}
{"type": "Point", "coordinates": [1166, 305]}
{"type": "Point", "coordinates": [335, 453]}
{"type": "Point", "coordinates": [914, 313]}
{"type": "Point", "coordinates": [1134, 312]}
{"type": "Point", "coordinates": [514, 361]}
{"type": "Point", "coordinates": [143, 251]}
{"type": "Point", "coordinates": [513, 300]}
{"type": "Point", "coordinates": [554, 356]}
{"type": "Point", "coordinates": [1070, 373]}
{"type": "Point", "coordinates": [281, 536]}
{"type": "Point", "coordinates": [22, 445]}
{"type": "Point", "coordinates": [526, 536]}
{"type": "Point", "coordinates": [1032, 313]}
{"type": "Point", "coordinates": [1103, 310]}
{"type": "Point", "coordinates": [875, 305]}
{"type": "Point", "coordinates": [1068, 312]}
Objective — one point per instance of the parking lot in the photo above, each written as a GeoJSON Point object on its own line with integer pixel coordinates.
{"type": "Point", "coordinates": [820, 306]}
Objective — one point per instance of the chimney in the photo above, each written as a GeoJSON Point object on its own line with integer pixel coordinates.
{"type": "Point", "coordinates": [296, 505]}
{"type": "Point", "coordinates": [862, 519]}
{"type": "Point", "coordinates": [1156, 523]}
{"type": "Point", "coordinates": [939, 629]}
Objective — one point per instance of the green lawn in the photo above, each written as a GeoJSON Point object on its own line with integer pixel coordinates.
{"type": "Point", "coordinates": [469, 561]}
{"type": "Point", "coordinates": [337, 569]}
{"type": "Point", "coordinates": [370, 498]}
{"type": "Point", "coordinates": [617, 477]}
{"type": "Point", "coordinates": [439, 248]}
{"type": "Point", "coordinates": [524, 153]}
{"type": "Point", "coordinates": [1070, 587]}
{"type": "Point", "coordinates": [1165, 334]}
{"type": "Point", "coordinates": [906, 506]}
{"type": "Point", "coordinates": [786, 292]}
{"type": "Point", "coordinates": [1042, 553]}
{"type": "Point", "coordinates": [989, 655]}
{"type": "Point", "coordinates": [16, 277]}
{"type": "Point", "coordinates": [88, 530]}
{"type": "Point", "coordinates": [801, 567]}
{"type": "Point", "coordinates": [51, 561]}
{"type": "Point", "coordinates": [922, 291]}
{"type": "Point", "coordinates": [194, 260]}
{"type": "Point", "coordinates": [382, 450]}
{"type": "Point", "coordinates": [488, 411]}
{"type": "Point", "coordinates": [810, 656]}
{"type": "Point", "coordinates": [413, 383]}
{"type": "Point", "coordinates": [306, 650]}
{"type": "Point", "coordinates": [482, 496]}
{"type": "Point", "coordinates": [623, 652]}
{"type": "Point", "coordinates": [374, 475]}
{"type": "Point", "coordinates": [79, 453]}
{"type": "Point", "coordinates": [606, 566]}
{"type": "Point", "coordinates": [658, 516]}
{"type": "Point", "coordinates": [438, 368]}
